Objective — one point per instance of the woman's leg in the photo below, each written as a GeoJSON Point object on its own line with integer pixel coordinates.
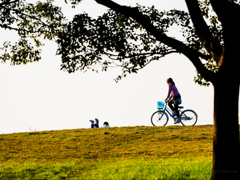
{"type": "Point", "coordinates": [170, 104]}
{"type": "Point", "coordinates": [176, 103]}
{"type": "Point", "coordinates": [176, 109]}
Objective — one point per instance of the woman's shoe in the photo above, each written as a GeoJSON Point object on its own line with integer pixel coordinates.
{"type": "Point", "coordinates": [178, 120]}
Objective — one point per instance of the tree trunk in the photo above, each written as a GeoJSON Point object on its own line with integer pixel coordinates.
{"type": "Point", "coordinates": [226, 157]}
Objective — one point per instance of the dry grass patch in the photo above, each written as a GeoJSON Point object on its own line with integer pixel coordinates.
{"type": "Point", "coordinates": [110, 143]}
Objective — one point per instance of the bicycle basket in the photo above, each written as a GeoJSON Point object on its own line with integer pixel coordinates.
{"type": "Point", "coordinates": [160, 105]}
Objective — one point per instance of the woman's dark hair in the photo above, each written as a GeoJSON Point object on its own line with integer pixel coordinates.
{"type": "Point", "coordinates": [169, 80]}
{"type": "Point", "coordinates": [105, 123]}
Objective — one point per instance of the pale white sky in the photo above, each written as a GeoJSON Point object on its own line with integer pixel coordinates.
{"type": "Point", "coordinates": [39, 96]}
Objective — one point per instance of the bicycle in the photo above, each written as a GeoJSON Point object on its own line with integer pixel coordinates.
{"type": "Point", "coordinates": [160, 117]}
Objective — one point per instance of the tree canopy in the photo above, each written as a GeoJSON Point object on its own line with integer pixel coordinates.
{"type": "Point", "coordinates": [32, 23]}
{"type": "Point", "coordinates": [116, 39]}
{"type": "Point", "coordinates": [129, 41]}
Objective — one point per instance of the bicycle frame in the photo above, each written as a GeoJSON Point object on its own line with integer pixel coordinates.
{"type": "Point", "coordinates": [168, 110]}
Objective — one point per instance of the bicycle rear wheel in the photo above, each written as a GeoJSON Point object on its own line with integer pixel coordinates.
{"type": "Point", "coordinates": [188, 118]}
{"type": "Point", "coordinates": [159, 118]}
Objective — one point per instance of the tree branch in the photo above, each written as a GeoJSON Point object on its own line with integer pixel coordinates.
{"type": "Point", "coordinates": [21, 14]}
{"type": "Point", "coordinates": [225, 10]}
{"type": "Point", "coordinates": [7, 3]}
{"type": "Point", "coordinates": [211, 44]}
{"type": "Point", "coordinates": [142, 54]}
{"type": "Point", "coordinates": [228, 14]}
{"type": "Point", "coordinates": [171, 42]}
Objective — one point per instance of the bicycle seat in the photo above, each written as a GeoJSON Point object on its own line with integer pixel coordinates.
{"type": "Point", "coordinates": [180, 107]}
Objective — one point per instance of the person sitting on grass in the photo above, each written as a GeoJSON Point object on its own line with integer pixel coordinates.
{"type": "Point", "coordinates": [105, 124]}
{"type": "Point", "coordinates": [96, 125]}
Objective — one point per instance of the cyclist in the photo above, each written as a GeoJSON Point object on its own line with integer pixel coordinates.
{"type": "Point", "coordinates": [173, 97]}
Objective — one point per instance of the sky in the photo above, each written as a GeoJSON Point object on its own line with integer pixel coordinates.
{"type": "Point", "coordinates": [39, 96]}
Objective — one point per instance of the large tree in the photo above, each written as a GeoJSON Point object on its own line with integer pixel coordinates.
{"type": "Point", "coordinates": [132, 37]}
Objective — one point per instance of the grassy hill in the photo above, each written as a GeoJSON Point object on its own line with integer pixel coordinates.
{"type": "Point", "coordinates": [172, 152]}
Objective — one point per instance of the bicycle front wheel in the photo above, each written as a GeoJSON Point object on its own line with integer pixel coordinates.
{"type": "Point", "coordinates": [188, 118]}
{"type": "Point", "coordinates": [159, 118]}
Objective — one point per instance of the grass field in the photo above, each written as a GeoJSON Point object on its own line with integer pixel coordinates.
{"type": "Point", "coordinates": [172, 152]}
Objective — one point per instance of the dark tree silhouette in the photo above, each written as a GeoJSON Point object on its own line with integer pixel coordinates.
{"type": "Point", "coordinates": [132, 37]}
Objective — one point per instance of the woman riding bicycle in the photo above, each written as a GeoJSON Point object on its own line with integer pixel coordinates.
{"type": "Point", "coordinates": [173, 97]}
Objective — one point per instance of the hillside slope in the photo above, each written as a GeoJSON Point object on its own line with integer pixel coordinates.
{"type": "Point", "coordinates": [107, 144]}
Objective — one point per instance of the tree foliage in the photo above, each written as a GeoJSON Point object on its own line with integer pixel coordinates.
{"type": "Point", "coordinates": [117, 40]}
{"type": "Point", "coordinates": [32, 23]}
{"type": "Point", "coordinates": [113, 39]}
{"type": "Point", "coordinates": [110, 40]}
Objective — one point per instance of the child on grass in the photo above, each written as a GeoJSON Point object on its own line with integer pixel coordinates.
{"type": "Point", "coordinates": [96, 125]}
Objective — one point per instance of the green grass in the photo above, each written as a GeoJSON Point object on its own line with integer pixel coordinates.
{"type": "Point", "coordinates": [155, 169]}
{"type": "Point", "coordinates": [198, 168]}
{"type": "Point", "coordinates": [173, 152]}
